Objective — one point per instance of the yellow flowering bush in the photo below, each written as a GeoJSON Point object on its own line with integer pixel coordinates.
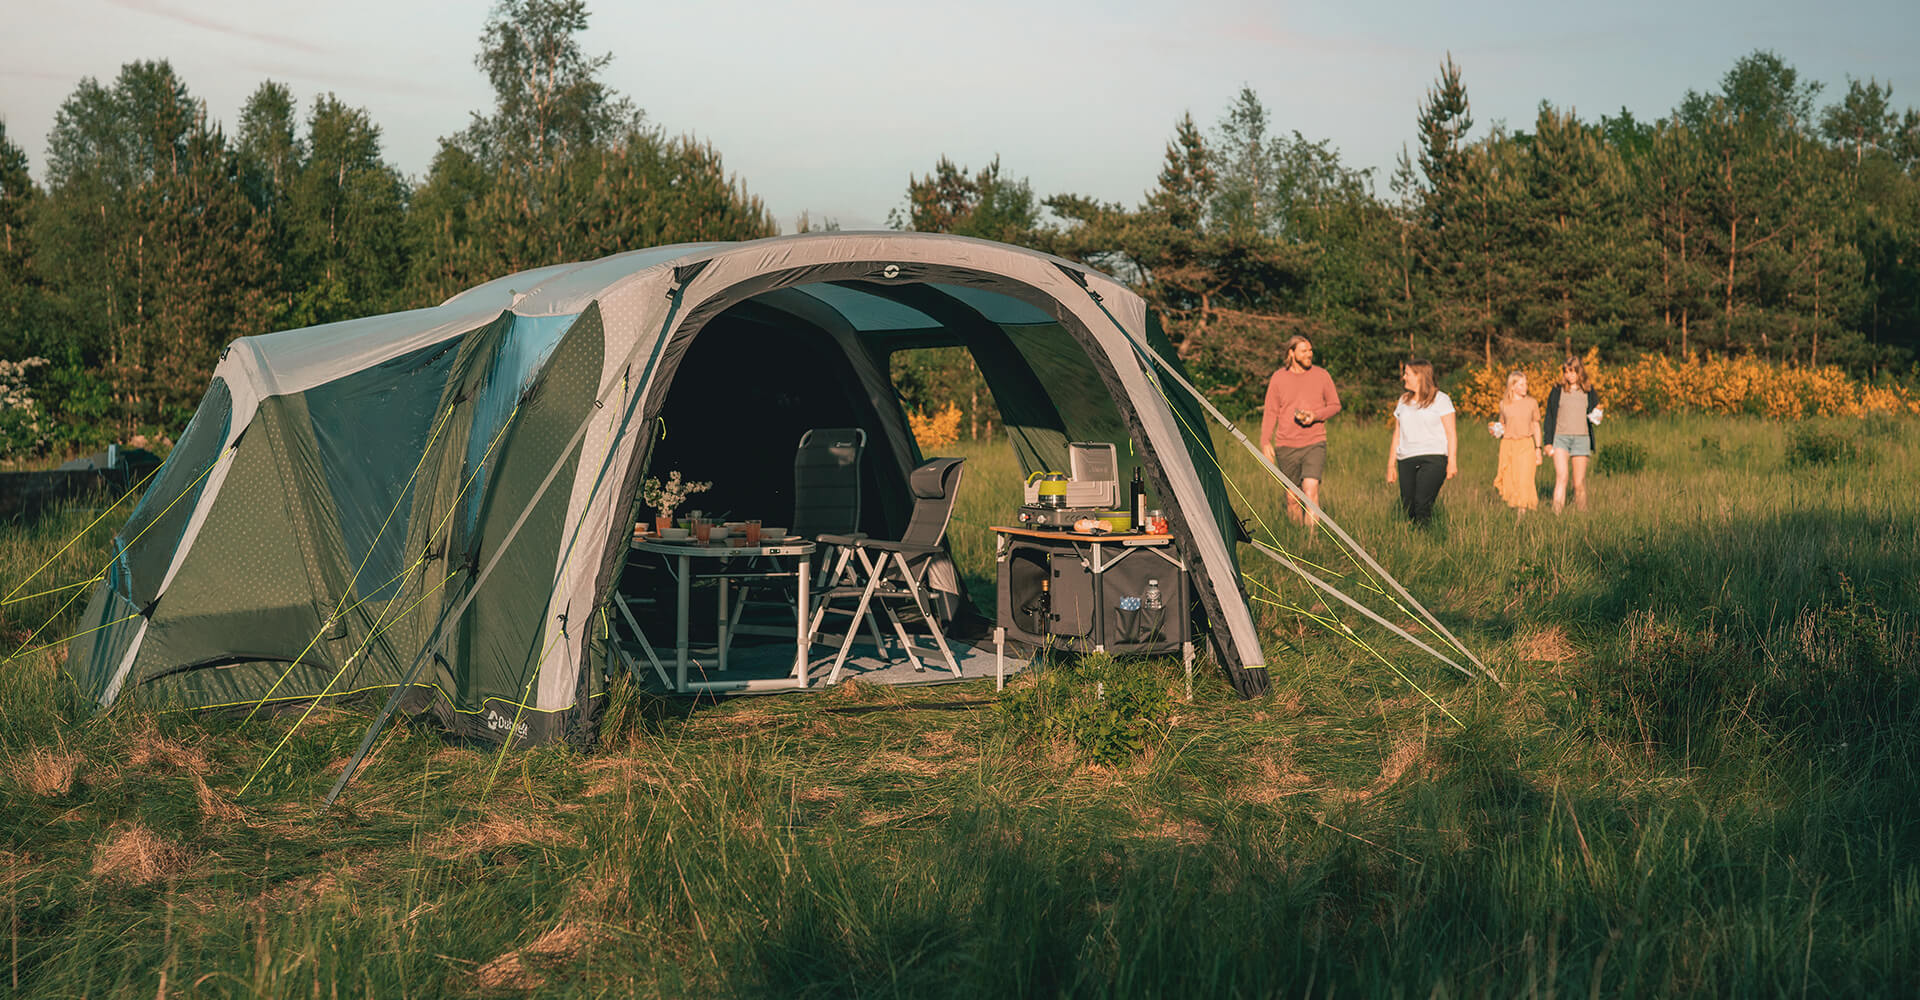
{"type": "Point", "coordinates": [938, 430]}
{"type": "Point", "coordinates": [1658, 384]}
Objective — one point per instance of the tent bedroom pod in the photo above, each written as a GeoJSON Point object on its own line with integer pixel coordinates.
{"type": "Point", "coordinates": [447, 493]}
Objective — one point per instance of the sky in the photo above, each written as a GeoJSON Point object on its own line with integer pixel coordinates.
{"type": "Point", "coordinates": [829, 107]}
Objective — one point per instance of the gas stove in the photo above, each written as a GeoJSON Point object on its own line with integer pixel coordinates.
{"type": "Point", "coordinates": [1035, 515]}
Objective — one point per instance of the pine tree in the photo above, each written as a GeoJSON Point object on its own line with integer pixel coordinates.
{"type": "Point", "coordinates": [1186, 182]}
{"type": "Point", "coordinates": [1445, 118]}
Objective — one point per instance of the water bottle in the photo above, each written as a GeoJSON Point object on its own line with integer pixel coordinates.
{"type": "Point", "coordinates": [1152, 612]}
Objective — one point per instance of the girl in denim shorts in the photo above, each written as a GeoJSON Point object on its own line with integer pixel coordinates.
{"type": "Point", "coordinates": [1572, 411]}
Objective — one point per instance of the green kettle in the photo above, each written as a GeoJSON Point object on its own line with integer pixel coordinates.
{"type": "Point", "coordinates": [1052, 489]}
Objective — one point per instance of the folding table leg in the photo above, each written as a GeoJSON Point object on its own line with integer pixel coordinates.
{"type": "Point", "coordinates": [620, 601]}
{"type": "Point", "coordinates": [723, 634]}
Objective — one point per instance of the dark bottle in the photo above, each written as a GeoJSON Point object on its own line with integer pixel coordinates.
{"type": "Point", "coordinates": [1138, 510]}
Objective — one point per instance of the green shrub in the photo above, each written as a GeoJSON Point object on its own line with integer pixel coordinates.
{"type": "Point", "coordinates": [1106, 710]}
{"type": "Point", "coordinates": [1620, 457]}
{"type": "Point", "coordinates": [1810, 446]}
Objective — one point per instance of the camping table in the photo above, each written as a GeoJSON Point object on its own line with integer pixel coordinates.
{"type": "Point", "coordinates": [1100, 553]}
{"type": "Point", "coordinates": [723, 564]}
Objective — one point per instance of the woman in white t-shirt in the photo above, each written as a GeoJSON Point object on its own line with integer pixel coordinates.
{"type": "Point", "coordinates": [1424, 453]}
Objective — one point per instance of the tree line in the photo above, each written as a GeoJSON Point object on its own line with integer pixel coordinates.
{"type": "Point", "coordinates": [1751, 220]}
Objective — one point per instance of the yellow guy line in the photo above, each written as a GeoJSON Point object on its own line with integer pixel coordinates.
{"type": "Point", "coordinates": [1154, 377]}
{"type": "Point", "coordinates": [102, 571]}
{"type": "Point", "coordinates": [76, 635]}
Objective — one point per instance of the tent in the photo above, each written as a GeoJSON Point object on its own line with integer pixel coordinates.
{"type": "Point", "coordinates": [435, 504]}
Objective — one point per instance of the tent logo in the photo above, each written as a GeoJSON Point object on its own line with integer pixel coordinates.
{"type": "Point", "coordinates": [890, 271]}
{"type": "Point", "coordinates": [500, 723]}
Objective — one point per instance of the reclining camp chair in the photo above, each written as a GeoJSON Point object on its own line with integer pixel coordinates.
{"type": "Point", "coordinates": [890, 576]}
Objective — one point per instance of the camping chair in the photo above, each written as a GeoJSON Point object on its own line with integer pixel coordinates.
{"type": "Point", "coordinates": [826, 499]}
{"type": "Point", "coordinates": [826, 481]}
{"type": "Point", "coordinates": [885, 575]}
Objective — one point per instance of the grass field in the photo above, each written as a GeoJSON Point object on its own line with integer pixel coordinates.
{"type": "Point", "coordinates": [1699, 778]}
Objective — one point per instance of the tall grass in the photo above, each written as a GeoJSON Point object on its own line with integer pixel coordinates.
{"type": "Point", "coordinates": [1697, 780]}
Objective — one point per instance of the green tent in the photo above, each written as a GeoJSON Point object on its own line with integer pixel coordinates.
{"type": "Point", "coordinates": [440, 499]}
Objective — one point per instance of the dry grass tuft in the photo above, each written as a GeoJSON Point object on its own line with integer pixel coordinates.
{"type": "Point", "coordinates": [855, 691]}
{"type": "Point", "coordinates": [493, 833]}
{"type": "Point", "coordinates": [1276, 775]}
{"type": "Point", "coordinates": [608, 775]}
{"type": "Point", "coordinates": [151, 750]}
{"type": "Point", "coordinates": [878, 817]}
{"type": "Point", "coordinates": [136, 854]}
{"type": "Point", "coordinates": [46, 773]}
{"type": "Point", "coordinates": [14, 866]}
{"type": "Point", "coordinates": [1546, 645]}
{"type": "Point", "coordinates": [507, 972]}
{"type": "Point", "coordinates": [306, 891]}
{"type": "Point", "coordinates": [1181, 831]}
{"type": "Point", "coordinates": [564, 941]}
{"type": "Point", "coordinates": [511, 971]}
{"type": "Point", "coordinates": [1155, 824]}
{"type": "Point", "coordinates": [1398, 763]}
{"type": "Point", "coordinates": [213, 805]}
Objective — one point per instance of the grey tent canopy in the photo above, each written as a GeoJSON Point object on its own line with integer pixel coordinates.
{"type": "Point", "coordinates": [442, 497]}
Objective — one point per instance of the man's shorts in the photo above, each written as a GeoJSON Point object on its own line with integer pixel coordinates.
{"type": "Point", "coordinates": [1575, 445]}
{"type": "Point", "coordinates": [1302, 463]}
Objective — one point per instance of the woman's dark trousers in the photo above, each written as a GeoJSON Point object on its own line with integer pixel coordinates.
{"type": "Point", "coordinates": [1420, 479]}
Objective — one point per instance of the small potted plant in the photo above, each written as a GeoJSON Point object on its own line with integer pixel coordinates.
{"type": "Point", "coordinates": [664, 497]}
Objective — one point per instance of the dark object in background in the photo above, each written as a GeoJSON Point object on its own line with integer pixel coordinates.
{"type": "Point", "coordinates": [25, 495]}
{"type": "Point", "coordinates": [114, 457]}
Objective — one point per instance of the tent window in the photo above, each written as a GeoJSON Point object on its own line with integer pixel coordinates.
{"type": "Point", "coordinates": [523, 352]}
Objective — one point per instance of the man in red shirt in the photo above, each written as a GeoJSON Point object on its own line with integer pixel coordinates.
{"type": "Point", "coordinates": [1293, 432]}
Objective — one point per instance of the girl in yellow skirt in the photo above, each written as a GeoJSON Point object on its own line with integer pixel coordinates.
{"type": "Point", "coordinates": [1519, 432]}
